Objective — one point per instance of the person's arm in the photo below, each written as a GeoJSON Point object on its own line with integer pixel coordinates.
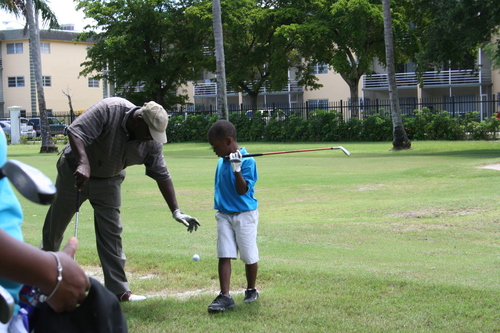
{"type": "Point", "coordinates": [167, 190]}
{"type": "Point", "coordinates": [82, 172]}
{"type": "Point", "coordinates": [241, 184]}
{"type": "Point", "coordinates": [23, 263]}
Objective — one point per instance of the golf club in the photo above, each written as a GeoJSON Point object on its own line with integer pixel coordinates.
{"type": "Point", "coordinates": [77, 212]}
{"type": "Point", "coordinates": [297, 151]}
{"type": "Point", "coordinates": [76, 216]}
{"type": "Point", "coordinates": [29, 181]}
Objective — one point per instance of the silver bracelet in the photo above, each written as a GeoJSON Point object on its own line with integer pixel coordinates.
{"type": "Point", "coordinates": [43, 298]}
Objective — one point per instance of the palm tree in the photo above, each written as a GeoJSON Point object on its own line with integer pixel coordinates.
{"type": "Point", "coordinates": [18, 8]}
{"type": "Point", "coordinates": [30, 9]}
{"type": "Point", "coordinates": [400, 138]}
{"type": "Point", "coordinates": [220, 61]}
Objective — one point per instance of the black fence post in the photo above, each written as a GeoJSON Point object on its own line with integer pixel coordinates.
{"type": "Point", "coordinates": [452, 105]}
{"type": "Point", "coordinates": [493, 105]}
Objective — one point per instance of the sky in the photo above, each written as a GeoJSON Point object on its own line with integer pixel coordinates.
{"type": "Point", "coordinates": [64, 10]}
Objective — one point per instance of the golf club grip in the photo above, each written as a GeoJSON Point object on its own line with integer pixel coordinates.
{"type": "Point", "coordinates": [252, 155]}
{"type": "Point", "coordinates": [77, 200]}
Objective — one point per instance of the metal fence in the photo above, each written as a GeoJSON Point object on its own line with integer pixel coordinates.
{"type": "Point", "coordinates": [486, 105]}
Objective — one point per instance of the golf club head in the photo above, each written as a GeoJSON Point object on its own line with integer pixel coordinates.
{"type": "Point", "coordinates": [29, 181]}
{"type": "Point", "coordinates": [343, 149]}
{"type": "Point", "coordinates": [6, 305]}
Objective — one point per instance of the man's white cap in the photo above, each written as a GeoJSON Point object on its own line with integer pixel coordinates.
{"type": "Point", "coordinates": [156, 118]}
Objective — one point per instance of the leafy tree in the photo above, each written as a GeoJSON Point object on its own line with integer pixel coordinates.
{"type": "Point", "coordinates": [152, 44]}
{"type": "Point", "coordinates": [493, 51]}
{"type": "Point", "coordinates": [451, 31]}
{"type": "Point", "coordinates": [256, 56]}
{"type": "Point", "coordinates": [346, 35]}
{"type": "Point", "coordinates": [30, 9]}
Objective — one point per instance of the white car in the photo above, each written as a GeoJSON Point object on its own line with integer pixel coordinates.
{"type": "Point", "coordinates": [26, 130]}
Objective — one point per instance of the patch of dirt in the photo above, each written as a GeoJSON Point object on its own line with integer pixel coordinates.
{"type": "Point", "coordinates": [371, 187]}
{"type": "Point", "coordinates": [490, 166]}
{"type": "Point", "coordinates": [96, 273]}
{"type": "Point", "coordinates": [431, 213]}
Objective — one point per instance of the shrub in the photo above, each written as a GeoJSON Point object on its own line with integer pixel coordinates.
{"type": "Point", "coordinates": [353, 128]}
{"type": "Point", "coordinates": [295, 128]}
{"type": "Point", "coordinates": [174, 128]}
{"type": "Point", "coordinates": [330, 126]}
{"type": "Point", "coordinates": [243, 124]}
{"type": "Point", "coordinates": [377, 127]}
{"type": "Point", "coordinates": [429, 124]}
{"type": "Point", "coordinates": [325, 126]}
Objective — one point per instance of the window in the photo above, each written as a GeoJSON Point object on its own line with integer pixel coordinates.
{"type": "Point", "coordinates": [47, 81]}
{"type": "Point", "coordinates": [44, 47]}
{"type": "Point", "coordinates": [93, 83]}
{"type": "Point", "coordinates": [318, 104]}
{"type": "Point", "coordinates": [319, 68]}
{"type": "Point", "coordinates": [13, 48]}
{"type": "Point", "coordinates": [16, 81]}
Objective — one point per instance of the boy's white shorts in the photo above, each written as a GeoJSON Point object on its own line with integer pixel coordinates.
{"type": "Point", "coordinates": [238, 232]}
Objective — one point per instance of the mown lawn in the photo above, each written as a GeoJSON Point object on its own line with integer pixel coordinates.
{"type": "Point", "coordinates": [380, 241]}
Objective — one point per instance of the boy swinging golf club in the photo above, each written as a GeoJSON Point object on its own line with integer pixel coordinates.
{"type": "Point", "coordinates": [237, 215]}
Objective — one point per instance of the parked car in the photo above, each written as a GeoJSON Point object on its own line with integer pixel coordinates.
{"type": "Point", "coordinates": [5, 126]}
{"type": "Point", "coordinates": [26, 130]}
{"type": "Point", "coordinates": [56, 126]}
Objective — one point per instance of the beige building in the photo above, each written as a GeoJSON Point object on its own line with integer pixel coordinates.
{"type": "Point", "coordinates": [61, 59]}
{"type": "Point", "coordinates": [448, 89]}
{"type": "Point", "coordinates": [453, 90]}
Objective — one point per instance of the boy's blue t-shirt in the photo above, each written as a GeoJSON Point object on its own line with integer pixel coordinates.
{"type": "Point", "coordinates": [11, 215]}
{"type": "Point", "coordinates": [226, 198]}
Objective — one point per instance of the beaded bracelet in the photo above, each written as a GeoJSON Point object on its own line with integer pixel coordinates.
{"type": "Point", "coordinates": [43, 298]}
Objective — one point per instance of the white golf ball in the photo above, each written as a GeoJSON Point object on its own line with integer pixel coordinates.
{"type": "Point", "coordinates": [196, 257]}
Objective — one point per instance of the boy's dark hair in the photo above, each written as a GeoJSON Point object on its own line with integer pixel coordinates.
{"type": "Point", "coordinates": [222, 129]}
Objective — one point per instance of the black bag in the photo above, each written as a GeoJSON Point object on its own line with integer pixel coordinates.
{"type": "Point", "coordinates": [101, 312]}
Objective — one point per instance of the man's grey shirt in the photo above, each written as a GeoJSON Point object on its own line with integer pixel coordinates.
{"type": "Point", "coordinates": [103, 130]}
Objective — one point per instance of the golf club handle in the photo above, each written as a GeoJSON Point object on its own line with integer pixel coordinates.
{"type": "Point", "coordinates": [252, 155]}
{"type": "Point", "coordinates": [77, 200]}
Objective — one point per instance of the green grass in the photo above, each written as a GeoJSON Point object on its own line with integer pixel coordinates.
{"type": "Point", "coordinates": [380, 241]}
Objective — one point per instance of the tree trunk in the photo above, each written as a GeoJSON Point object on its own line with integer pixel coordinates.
{"type": "Point", "coordinates": [71, 112]}
{"type": "Point", "coordinates": [253, 101]}
{"type": "Point", "coordinates": [353, 88]}
{"type": "Point", "coordinates": [400, 138]}
{"type": "Point", "coordinates": [222, 108]}
{"type": "Point", "coordinates": [48, 145]}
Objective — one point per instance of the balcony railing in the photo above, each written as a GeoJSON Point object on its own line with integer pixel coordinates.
{"type": "Point", "coordinates": [430, 79]}
{"type": "Point", "coordinates": [210, 89]}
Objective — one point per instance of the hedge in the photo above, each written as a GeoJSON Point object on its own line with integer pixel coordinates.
{"type": "Point", "coordinates": [330, 126]}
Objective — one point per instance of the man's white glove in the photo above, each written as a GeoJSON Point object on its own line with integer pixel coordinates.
{"type": "Point", "coordinates": [190, 222]}
{"type": "Point", "coordinates": [235, 159]}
